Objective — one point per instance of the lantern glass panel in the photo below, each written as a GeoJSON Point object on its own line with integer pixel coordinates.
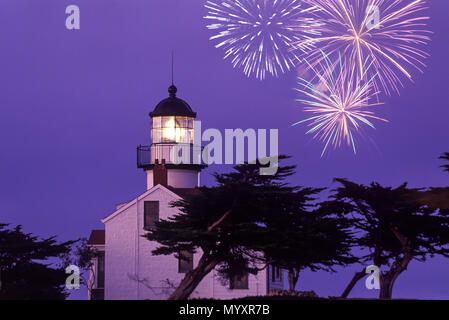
{"type": "Point", "coordinates": [171, 129]}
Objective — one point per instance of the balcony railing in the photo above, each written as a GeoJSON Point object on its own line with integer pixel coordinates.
{"type": "Point", "coordinates": [173, 154]}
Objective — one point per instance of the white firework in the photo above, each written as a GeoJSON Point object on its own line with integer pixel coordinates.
{"type": "Point", "coordinates": [257, 35]}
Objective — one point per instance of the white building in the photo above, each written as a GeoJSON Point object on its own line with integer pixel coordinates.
{"type": "Point", "coordinates": [126, 268]}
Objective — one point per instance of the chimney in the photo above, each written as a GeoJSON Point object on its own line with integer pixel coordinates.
{"type": "Point", "coordinates": [160, 174]}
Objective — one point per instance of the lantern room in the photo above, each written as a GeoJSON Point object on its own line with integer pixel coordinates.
{"type": "Point", "coordinates": [172, 121]}
{"type": "Point", "coordinates": [172, 125]}
{"type": "Point", "coordinates": [172, 129]}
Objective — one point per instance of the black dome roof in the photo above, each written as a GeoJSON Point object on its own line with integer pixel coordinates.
{"type": "Point", "coordinates": [173, 106]}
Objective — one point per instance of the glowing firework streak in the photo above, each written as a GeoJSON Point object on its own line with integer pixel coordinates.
{"type": "Point", "coordinates": [391, 33]}
{"type": "Point", "coordinates": [339, 102]}
{"type": "Point", "coordinates": [257, 34]}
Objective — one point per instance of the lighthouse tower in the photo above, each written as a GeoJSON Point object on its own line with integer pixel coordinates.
{"type": "Point", "coordinates": [172, 139]}
{"type": "Point", "coordinates": [124, 256]}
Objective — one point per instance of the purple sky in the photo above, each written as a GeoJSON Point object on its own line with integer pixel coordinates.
{"type": "Point", "coordinates": [75, 106]}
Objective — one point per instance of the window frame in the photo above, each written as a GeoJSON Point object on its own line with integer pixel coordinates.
{"type": "Point", "coordinates": [183, 129]}
{"type": "Point", "coordinates": [101, 263]}
{"type": "Point", "coordinates": [145, 212]}
{"type": "Point", "coordinates": [241, 284]}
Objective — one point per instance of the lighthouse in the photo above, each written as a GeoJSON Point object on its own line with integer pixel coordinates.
{"type": "Point", "coordinates": [172, 139]}
{"type": "Point", "coordinates": [125, 267]}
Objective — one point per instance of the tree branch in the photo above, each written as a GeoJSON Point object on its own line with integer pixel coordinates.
{"type": "Point", "coordinates": [216, 223]}
{"type": "Point", "coordinates": [357, 277]}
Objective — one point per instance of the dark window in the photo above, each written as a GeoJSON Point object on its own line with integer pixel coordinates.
{"type": "Point", "coordinates": [151, 213]}
{"type": "Point", "coordinates": [275, 274]}
{"type": "Point", "coordinates": [185, 262]}
{"type": "Point", "coordinates": [239, 281]}
{"type": "Point", "coordinates": [100, 270]}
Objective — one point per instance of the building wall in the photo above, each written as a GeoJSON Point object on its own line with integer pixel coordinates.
{"type": "Point", "coordinates": [132, 272]}
{"type": "Point", "coordinates": [120, 255]}
{"type": "Point", "coordinates": [150, 179]}
{"type": "Point", "coordinates": [176, 178]}
{"type": "Point", "coordinates": [182, 178]}
{"type": "Point", "coordinates": [257, 286]}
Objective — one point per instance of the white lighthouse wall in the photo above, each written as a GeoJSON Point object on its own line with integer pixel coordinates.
{"type": "Point", "coordinates": [150, 179]}
{"type": "Point", "coordinates": [178, 178]}
{"type": "Point", "coordinates": [132, 272]}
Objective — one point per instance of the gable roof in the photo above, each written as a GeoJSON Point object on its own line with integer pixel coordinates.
{"type": "Point", "coordinates": [97, 237]}
{"type": "Point", "coordinates": [176, 193]}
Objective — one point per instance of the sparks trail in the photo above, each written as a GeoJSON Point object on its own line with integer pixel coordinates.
{"type": "Point", "coordinates": [257, 34]}
{"type": "Point", "coordinates": [395, 43]}
{"type": "Point", "coordinates": [339, 102]}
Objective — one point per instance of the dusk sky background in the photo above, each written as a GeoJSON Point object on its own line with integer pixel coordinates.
{"type": "Point", "coordinates": [74, 106]}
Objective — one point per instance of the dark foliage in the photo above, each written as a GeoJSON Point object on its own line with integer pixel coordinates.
{"type": "Point", "coordinates": [395, 226]}
{"type": "Point", "coordinates": [26, 273]}
{"type": "Point", "coordinates": [303, 235]}
{"type": "Point", "coordinates": [226, 221]}
{"type": "Point", "coordinates": [250, 220]}
{"type": "Point", "coordinates": [445, 157]}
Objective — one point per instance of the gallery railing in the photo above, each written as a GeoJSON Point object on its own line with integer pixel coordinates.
{"type": "Point", "coordinates": [170, 154]}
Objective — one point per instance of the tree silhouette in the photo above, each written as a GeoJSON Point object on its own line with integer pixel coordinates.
{"type": "Point", "coordinates": [445, 157]}
{"type": "Point", "coordinates": [300, 238]}
{"type": "Point", "coordinates": [25, 271]}
{"type": "Point", "coordinates": [82, 255]}
{"type": "Point", "coordinates": [223, 224]}
{"type": "Point", "coordinates": [395, 227]}
{"type": "Point", "coordinates": [247, 222]}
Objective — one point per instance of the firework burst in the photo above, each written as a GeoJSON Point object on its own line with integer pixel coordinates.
{"type": "Point", "coordinates": [257, 34]}
{"type": "Point", "coordinates": [390, 33]}
{"type": "Point", "coordinates": [339, 102]}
